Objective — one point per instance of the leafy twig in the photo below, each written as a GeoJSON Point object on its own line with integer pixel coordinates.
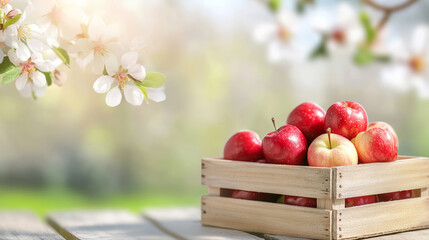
{"type": "Point", "coordinates": [388, 10]}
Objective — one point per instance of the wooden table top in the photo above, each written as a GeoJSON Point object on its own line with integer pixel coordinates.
{"type": "Point", "coordinates": [155, 224]}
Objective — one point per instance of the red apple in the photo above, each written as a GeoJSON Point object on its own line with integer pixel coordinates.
{"type": "Point", "coordinates": [286, 145]}
{"type": "Point", "coordinates": [257, 196]}
{"type": "Point", "coordinates": [377, 144]}
{"type": "Point", "coordinates": [395, 196]}
{"type": "Point", "coordinates": [346, 119]}
{"type": "Point", "coordinates": [309, 118]}
{"type": "Point", "coordinates": [243, 146]}
{"type": "Point", "coordinates": [301, 201]}
{"type": "Point", "coordinates": [330, 150]}
{"type": "Point", "coordinates": [357, 201]}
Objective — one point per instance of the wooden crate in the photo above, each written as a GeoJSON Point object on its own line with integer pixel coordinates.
{"type": "Point", "coordinates": [331, 186]}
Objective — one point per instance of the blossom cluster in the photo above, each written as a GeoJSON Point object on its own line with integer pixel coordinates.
{"type": "Point", "coordinates": [349, 34]}
{"type": "Point", "coordinates": [33, 55]}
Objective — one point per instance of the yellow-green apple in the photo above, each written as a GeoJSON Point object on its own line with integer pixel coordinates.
{"type": "Point", "coordinates": [309, 118]}
{"type": "Point", "coordinates": [244, 145]}
{"type": "Point", "coordinates": [330, 150]}
{"type": "Point", "coordinates": [286, 145]}
{"type": "Point", "coordinates": [346, 119]}
{"type": "Point", "coordinates": [378, 143]}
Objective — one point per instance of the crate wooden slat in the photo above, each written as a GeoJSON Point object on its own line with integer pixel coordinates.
{"type": "Point", "coordinates": [104, 224]}
{"type": "Point", "coordinates": [266, 217]}
{"type": "Point", "coordinates": [367, 179]}
{"type": "Point", "coordinates": [185, 223]}
{"type": "Point", "coordinates": [21, 225]}
{"type": "Point", "coordinates": [331, 186]}
{"type": "Point", "coordinates": [280, 179]}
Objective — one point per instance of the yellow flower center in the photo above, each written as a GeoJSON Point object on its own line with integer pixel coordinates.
{"type": "Point", "coordinates": [284, 33]}
{"type": "Point", "coordinates": [417, 64]}
{"type": "Point", "coordinates": [122, 79]}
{"type": "Point", "coordinates": [4, 3]}
{"type": "Point", "coordinates": [24, 32]}
{"type": "Point", "coordinates": [100, 49]}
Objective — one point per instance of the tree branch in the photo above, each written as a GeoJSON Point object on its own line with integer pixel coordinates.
{"type": "Point", "coordinates": [388, 11]}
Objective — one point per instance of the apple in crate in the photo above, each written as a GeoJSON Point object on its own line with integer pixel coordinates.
{"type": "Point", "coordinates": [300, 201]}
{"type": "Point", "coordinates": [395, 196]}
{"type": "Point", "coordinates": [330, 150]}
{"type": "Point", "coordinates": [286, 145]}
{"type": "Point", "coordinates": [257, 196]}
{"type": "Point", "coordinates": [309, 118]}
{"type": "Point", "coordinates": [346, 118]}
{"type": "Point", "coordinates": [245, 145]}
{"type": "Point", "coordinates": [379, 143]}
{"type": "Point", "coordinates": [363, 200]}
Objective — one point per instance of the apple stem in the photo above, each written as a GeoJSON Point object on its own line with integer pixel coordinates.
{"type": "Point", "coordinates": [329, 137]}
{"type": "Point", "coordinates": [274, 124]}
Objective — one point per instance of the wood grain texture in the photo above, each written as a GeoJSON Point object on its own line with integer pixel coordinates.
{"type": "Point", "coordinates": [266, 217]}
{"type": "Point", "coordinates": [269, 178]}
{"type": "Point", "coordinates": [368, 179]}
{"type": "Point", "coordinates": [111, 224]}
{"type": "Point", "coordinates": [24, 226]}
{"type": "Point", "coordinates": [382, 218]}
{"type": "Point", "coordinates": [185, 223]}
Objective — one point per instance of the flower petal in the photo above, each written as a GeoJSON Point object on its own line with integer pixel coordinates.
{"type": "Point", "coordinates": [38, 78]}
{"type": "Point", "coordinates": [96, 28]}
{"type": "Point", "coordinates": [13, 58]}
{"type": "Point", "coordinates": [26, 92]}
{"type": "Point", "coordinates": [419, 39]}
{"type": "Point", "coordinates": [21, 81]}
{"type": "Point", "coordinates": [22, 52]}
{"type": "Point", "coordinates": [137, 71]}
{"type": "Point", "coordinates": [103, 84]}
{"type": "Point", "coordinates": [129, 59]}
{"type": "Point", "coordinates": [1, 55]}
{"type": "Point", "coordinates": [156, 94]}
{"type": "Point", "coordinates": [114, 97]}
{"type": "Point", "coordinates": [36, 45]}
{"type": "Point", "coordinates": [112, 65]}
{"type": "Point", "coordinates": [11, 36]}
{"type": "Point", "coordinates": [39, 91]}
{"type": "Point", "coordinates": [133, 95]}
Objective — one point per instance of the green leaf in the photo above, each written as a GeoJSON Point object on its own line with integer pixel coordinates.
{"type": "Point", "coordinates": [48, 77]}
{"type": "Point", "coordinates": [363, 56]}
{"type": "Point", "coordinates": [62, 54]}
{"type": "Point", "coordinates": [12, 21]}
{"type": "Point", "coordinates": [143, 89]}
{"type": "Point", "coordinates": [11, 75]}
{"type": "Point", "coordinates": [370, 31]}
{"type": "Point", "coordinates": [320, 50]}
{"type": "Point", "coordinates": [153, 80]}
{"type": "Point", "coordinates": [6, 65]}
{"type": "Point", "coordinates": [274, 5]}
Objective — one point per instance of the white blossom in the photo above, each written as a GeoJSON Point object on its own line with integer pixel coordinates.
{"type": "Point", "coordinates": [410, 63]}
{"type": "Point", "coordinates": [124, 76]}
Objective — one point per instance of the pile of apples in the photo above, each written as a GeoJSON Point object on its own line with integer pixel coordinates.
{"type": "Point", "coordinates": [339, 137]}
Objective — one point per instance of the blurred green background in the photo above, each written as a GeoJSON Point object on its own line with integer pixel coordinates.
{"type": "Point", "coordinates": [69, 150]}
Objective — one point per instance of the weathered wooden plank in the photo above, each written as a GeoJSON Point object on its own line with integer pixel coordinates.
{"type": "Point", "coordinates": [185, 223]}
{"type": "Point", "coordinates": [270, 178]}
{"type": "Point", "coordinates": [368, 179]}
{"type": "Point", "coordinates": [24, 226]}
{"type": "Point", "coordinates": [266, 217]}
{"type": "Point", "coordinates": [107, 224]}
